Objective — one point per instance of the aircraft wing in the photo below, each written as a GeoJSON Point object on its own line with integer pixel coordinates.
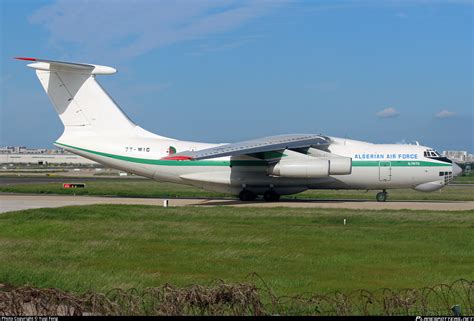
{"type": "Point", "coordinates": [259, 145]}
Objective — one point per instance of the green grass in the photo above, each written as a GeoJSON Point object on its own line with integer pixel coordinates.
{"type": "Point", "coordinates": [114, 187]}
{"type": "Point", "coordinates": [148, 188]}
{"type": "Point", "coordinates": [448, 193]}
{"type": "Point", "coordinates": [294, 250]}
{"type": "Point", "coordinates": [468, 179]}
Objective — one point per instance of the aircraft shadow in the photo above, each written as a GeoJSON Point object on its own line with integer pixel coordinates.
{"type": "Point", "coordinates": [223, 202]}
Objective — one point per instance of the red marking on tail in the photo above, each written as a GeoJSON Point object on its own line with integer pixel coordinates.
{"type": "Point", "coordinates": [26, 58]}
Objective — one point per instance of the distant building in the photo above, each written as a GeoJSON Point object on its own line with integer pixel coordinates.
{"type": "Point", "coordinates": [459, 156]}
{"type": "Point", "coordinates": [40, 156]}
{"type": "Point", "coordinates": [25, 150]}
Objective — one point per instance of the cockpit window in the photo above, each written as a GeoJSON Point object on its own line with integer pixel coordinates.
{"type": "Point", "coordinates": [431, 153]}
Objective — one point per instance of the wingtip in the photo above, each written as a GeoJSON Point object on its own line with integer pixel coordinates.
{"type": "Point", "coordinates": [25, 58]}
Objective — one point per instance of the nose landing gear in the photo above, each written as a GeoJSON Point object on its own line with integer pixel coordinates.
{"type": "Point", "coordinates": [382, 196]}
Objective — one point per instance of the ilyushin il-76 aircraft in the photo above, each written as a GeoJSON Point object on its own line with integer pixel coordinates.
{"type": "Point", "coordinates": [96, 128]}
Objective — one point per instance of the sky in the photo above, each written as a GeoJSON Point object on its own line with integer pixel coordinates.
{"type": "Point", "coordinates": [384, 71]}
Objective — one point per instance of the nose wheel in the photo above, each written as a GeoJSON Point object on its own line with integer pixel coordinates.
{"type": "Point", "coordinates": [382, 196]}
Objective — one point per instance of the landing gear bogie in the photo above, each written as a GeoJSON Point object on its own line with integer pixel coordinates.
{"type": "Point", "coordinates": [247, 196]}
{"type": "Point", "coordinates": [271, 196]}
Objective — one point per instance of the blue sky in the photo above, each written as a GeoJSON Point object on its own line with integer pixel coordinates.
{"type": "Point", "coordinates": [224, 71]}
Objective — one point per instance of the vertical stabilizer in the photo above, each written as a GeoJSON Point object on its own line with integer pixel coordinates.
{"type": "Point", "coordinates": [78, 98]}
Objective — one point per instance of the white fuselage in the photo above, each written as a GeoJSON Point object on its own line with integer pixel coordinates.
{"type": "Point", "coordinates": [374, 166]}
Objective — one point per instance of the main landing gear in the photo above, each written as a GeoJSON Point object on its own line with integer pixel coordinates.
{"type": "Point", "coordinates": [247, 196]}
{"type": "Point", "coordinates": [382, 196]}
{"type": "Point", "coordinates": [269, 196]}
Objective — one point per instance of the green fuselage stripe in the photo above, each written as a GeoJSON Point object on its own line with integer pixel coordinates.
{"type": "Point", "coordinates": [397, 163]}
{"type": "Point", "coordinates": [163, 162]}
{"type": "Point", "coordinates": [243, 162]}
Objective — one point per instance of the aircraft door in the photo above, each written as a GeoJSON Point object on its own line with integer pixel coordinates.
{"type": "Point", "coordinates": [385, 171]}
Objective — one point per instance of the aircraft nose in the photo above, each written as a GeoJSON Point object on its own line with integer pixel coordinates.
{"type": "Point", "coordinates": [457, 170]}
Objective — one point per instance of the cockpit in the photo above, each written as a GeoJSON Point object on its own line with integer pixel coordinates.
{"type": "Point", "coordinates": [431, 153]}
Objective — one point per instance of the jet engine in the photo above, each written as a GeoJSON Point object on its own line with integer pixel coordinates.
{"type": "Point", "coordinates": [312, 167]}
{"type": "Point", "coordinates": [300, 168]}
{"type": "Point", "coordinates": [340, 165]}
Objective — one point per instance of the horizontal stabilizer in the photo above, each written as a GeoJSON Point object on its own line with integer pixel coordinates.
{"type": "Point", "coordinates": [53, 65]}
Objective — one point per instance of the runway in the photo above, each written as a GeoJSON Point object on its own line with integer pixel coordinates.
{"type": "Point", "coordinates": [16, 202]}
{"type": "Point", "coordinates": [19, 180]}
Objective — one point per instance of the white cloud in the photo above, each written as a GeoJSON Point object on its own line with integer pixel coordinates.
{"type": "Point", "coordinates": [125, 29]}
{"type": "Point", "coordinates": [445, 114]}
{"type": "Point", "coordinates": [388, 113]}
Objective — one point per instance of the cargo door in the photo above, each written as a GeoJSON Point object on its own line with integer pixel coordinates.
{"type": "Point", "coordinates": [385, 171]}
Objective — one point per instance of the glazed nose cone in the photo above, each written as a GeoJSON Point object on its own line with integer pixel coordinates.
{"type": "Point", "coordinates": [456, 169]}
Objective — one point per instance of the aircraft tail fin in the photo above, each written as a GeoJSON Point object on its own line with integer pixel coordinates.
{"type": "Point", "coordinates": [78, 98]}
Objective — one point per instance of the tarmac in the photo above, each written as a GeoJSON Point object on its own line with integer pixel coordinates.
{"type": "Point", "coordinates": [15, 202]}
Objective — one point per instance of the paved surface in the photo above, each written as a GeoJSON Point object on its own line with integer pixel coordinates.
{"type": "Point", "coordinates": [17, 180]}
{"type": "Point", "coordinates": [15, 202]}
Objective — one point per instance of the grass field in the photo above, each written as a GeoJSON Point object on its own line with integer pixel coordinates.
{"type": "Point", "coordinates": [149, 188]}
{"type": "Point", "coordinates": [294, 250]}
{"type": "Point", "coordinates": [465, 179]}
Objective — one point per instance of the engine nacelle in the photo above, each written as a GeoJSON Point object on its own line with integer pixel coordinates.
{"type": "Point", "coordinates": [340, 166]}
{"type": "Point", "coordinates": [314, 167]}
{"type": "Point", "coordinates": [300, 168]}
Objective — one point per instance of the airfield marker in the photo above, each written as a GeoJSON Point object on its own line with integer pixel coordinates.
{"type": "Point", "coordinates": [165, 203]}
{"type": "Point", "coordinates": [344, 221]}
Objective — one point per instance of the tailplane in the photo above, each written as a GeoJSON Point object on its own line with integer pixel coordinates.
{"type": "Point", "coordinates": [80, 101]}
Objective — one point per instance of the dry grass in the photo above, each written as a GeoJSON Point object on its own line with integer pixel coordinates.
{"type": "Point", "coordinates": [252, 298]}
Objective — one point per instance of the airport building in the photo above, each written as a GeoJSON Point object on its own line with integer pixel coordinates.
{"type": "Point", "coordinates": [40, 156]}
{"type": "Point", "coordinates": [459, 156]}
